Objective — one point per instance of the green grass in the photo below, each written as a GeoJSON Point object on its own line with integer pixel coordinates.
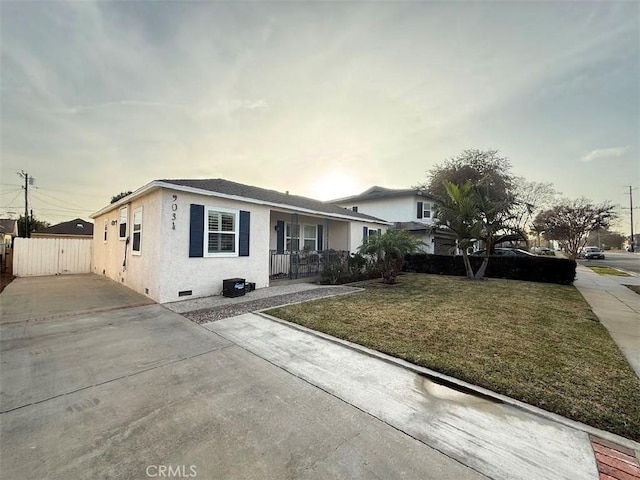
{"type": "Point", "coordinates": [609, 271]}
{"type": "Point", "coordinates": [538, 343]}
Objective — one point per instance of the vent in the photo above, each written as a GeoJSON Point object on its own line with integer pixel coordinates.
{"type": "Point", "coordinates": [185, 293]}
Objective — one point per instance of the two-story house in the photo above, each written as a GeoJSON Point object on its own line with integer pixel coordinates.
{"type": "Point", "coordinates": [408, 209]}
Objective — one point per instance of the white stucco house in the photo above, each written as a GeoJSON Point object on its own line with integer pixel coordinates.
{"type": "Point", "coordinates": [178, 239]}
{"type": "Point", "coordinates": [408, 209]}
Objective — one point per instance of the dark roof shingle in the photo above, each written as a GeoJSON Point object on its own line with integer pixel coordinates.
{"type": "Point", "coordinates": [72, 227]}
{"type": "Point", "coordinates": [377, 192]}
{"type": "Point", "coordinates": [227, 187]}
{"type": "Point", "coordinates": [8, 225]}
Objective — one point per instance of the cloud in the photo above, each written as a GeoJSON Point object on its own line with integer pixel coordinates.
{"type": "Point", "coordinates": [604, 153]}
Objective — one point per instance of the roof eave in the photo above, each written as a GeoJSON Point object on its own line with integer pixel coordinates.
{"type": "Point", "coordinates": [200, 191]}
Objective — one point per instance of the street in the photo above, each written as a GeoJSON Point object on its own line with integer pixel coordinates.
{"type": "Point", "coordinates": [617, 259]}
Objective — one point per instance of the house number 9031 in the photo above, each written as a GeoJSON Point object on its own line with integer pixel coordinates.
{"type": "Point", "coordinates": [174, 209]}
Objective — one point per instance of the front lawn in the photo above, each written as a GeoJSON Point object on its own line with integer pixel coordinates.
{"type": "Point", "coordinates": [539, 343]}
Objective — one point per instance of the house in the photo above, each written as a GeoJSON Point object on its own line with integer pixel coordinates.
{"type": "Point", "coordinates": [174, 239]}
{"type": "Point", "coordinates": [8, 230]}
{"type": "Point", "coordinates": [409, 209]}
{"type": "Point", "coordinates": [76, 228]}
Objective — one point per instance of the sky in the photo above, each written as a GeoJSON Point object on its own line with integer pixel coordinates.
{"type": "Point", "coordinates": [322, 99]}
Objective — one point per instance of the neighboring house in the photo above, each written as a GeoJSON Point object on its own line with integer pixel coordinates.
{"type": "Point", "coordinates": [409, 209]}
{"type": "Point", "coordinates": [77, 228]}
{"type": "Point", "coordinates": [8, 230]}
{"type": "Point", "coordinates": [172, 239]}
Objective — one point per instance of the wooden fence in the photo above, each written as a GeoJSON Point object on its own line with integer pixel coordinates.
{"type": "Point", "coordinates": [51, 256]}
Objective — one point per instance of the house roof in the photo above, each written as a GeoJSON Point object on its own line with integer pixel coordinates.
{"type": "Point", "coordinates": [9, 226]}
{"type": "Point", "coordinates": [377, 192]}
{"type": "Point", "coordinates": [72, 227]}
{"type": "Point", "coordinates": [239, 191]}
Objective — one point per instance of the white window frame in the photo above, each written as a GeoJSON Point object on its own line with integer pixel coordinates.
{"type": "Point", "coordinates": [426, 209]}
{"type": "Point", "coordinates": [105, 232]}
{"type": "Point", "coordinates": [288, 237]}
{"type": "Point", "coordinates": [236, 231]}
{"type": "Point", "coordinates": [304, 237]}
{"type": "Point", "coordinates": [138, 231]}
{"type": "Point", "coordinates": [125, 223]}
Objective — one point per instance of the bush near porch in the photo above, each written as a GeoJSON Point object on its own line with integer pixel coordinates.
{"type": "Point", "coordinates": [539, 343]}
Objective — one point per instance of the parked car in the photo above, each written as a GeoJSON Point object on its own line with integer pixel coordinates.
{"type": "Point", "coordinates": [508, 252]}
{"type": "Point", "coordinates": [543, 251]}
{"type": "Point", "coordinates": [592, 252]}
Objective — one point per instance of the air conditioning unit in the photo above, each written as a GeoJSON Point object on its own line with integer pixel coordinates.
{"type": "Point", "coordinates": [233, 287]}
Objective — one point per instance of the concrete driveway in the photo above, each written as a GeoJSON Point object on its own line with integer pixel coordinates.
{"type": "Point", "coordinates": [97, 384]}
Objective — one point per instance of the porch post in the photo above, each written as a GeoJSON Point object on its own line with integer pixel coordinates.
{"type": "Point", "coordinates": [294, 253]}
{"type": "Point", "coordinates": [326, 234]}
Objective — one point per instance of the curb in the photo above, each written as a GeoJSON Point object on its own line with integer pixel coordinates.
{"type": "Point", "coordinates": [461, 385]}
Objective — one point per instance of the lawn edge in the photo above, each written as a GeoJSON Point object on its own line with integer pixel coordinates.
{"type": "Point", "coordinates": [459, 384]}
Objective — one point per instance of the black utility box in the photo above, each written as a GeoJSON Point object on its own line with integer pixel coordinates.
{"type": "Point", "coordinates": [233, 287]}
{"type": "Point", "coordinates": [249, 287]}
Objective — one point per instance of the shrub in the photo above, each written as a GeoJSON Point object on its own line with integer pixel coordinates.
{"type": "Point", "coordinates": [339, 269]}
{"type": "Point", "coordinates": [532, 269]}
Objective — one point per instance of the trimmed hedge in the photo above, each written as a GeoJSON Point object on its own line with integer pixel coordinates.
{"type": "Point", "coordinates": [531, 269]}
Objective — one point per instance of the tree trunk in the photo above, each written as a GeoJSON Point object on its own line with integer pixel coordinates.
{"type": "Point", "coordinates": [467, 264]}
{"type": "Point", "coordinates": [480, 273]}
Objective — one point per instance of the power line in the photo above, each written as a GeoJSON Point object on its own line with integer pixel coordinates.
{"type": "Point", "coordinates": [10, 191]}
{"type": "Point", "coordinates": [76, 193]}
{"type": "Point", "coordinates": [58, 199]}
{"type": "Point", "coordinates": [14, 198]}
{"type": "Point", "coordinates": [79, 209]}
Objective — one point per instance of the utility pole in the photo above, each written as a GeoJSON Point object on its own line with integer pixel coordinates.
{"type": "Point", "coordinates": [633, 243]}
{"type": "Point", "coordinates": [27, 181]}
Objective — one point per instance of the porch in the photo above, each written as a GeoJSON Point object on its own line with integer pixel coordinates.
{"type": "Point", "coordinates": [292, 265]}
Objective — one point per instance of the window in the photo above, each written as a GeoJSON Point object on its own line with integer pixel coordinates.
{"type": "Point", "coordinates": [124, 214]}
{"type": "Point", "coordinates": [106, 229]}
{"type": "Point", "coordinates": [426, 212]}
{"type": "Point", "coordinates": [355, 209]}
{"type": "Point", "coordinates": [137, 231]}
{"type": "Point", "coordinates": [292, 237]}
{"type": "Point", "coordinates": [221, 232]}
{"type": "Point", "coordinates": [310, 237]}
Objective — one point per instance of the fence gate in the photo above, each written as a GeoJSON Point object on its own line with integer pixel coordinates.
{"type": "Point", "coordinates": [51, 256]}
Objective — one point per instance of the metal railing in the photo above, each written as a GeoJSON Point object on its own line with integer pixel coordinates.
{"type": "Point", "coordinates": [300, 264]}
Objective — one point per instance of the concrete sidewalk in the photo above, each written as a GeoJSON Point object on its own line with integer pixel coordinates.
{"type": "Point", "coordinates": [493, 435]}
{"type": "Point", "coordinates": [617, 307]}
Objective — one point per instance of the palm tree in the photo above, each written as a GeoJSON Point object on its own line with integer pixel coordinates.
{"type": "Point", "coordinates": [459, 212]}
{"type": "Point", "coordinates": [389, 250]}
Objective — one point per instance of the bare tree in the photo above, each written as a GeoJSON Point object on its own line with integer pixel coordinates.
{"type": "Point", "coordinates": [530, 199]}
{"type": "Point", "coordinates": [571, 221]}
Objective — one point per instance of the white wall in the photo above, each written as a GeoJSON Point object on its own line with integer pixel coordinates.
{"type": "Point", "coordinates": [392, 209]}
{"type": "Point", "coordinates": [203, 276]}
{"type": "Point", "coordinates": [356, 233]}
{"type": "Point", "coordinates": [51, 256]}
{"type": "Point", "coordinates": [141, 272]}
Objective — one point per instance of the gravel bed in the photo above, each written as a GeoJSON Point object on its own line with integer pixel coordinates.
{"type": "Point", "coordinates": [226, 311]}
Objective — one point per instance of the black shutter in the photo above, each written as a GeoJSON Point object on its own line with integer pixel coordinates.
{"type": "Point", "coordinates": [196, 231]}
{"type": "Point", "coordinates": [420, 209]}
{"type": "Point", "coordinates": [280, 236]}
{"type": "Point", "coordinates": [320, 245]}
{"type": "Point", "coordinates": [245, 227]}
{"type": "Point", "coordinates": [365, 234]}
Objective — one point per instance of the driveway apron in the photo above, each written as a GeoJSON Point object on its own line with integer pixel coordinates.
{"type": "Point", "coordinates": [96, 387]}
